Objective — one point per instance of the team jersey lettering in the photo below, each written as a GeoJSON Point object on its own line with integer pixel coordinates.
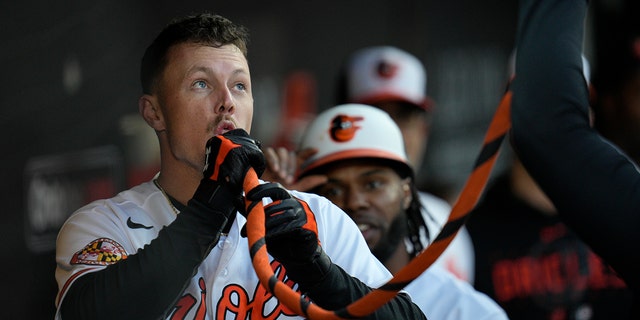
{"type": "Point", "coordinates": [263, 305]}
{"type": "Point", "coordinates": [235, 302]}
{"type": "Point", "coordinates": [101, 251]}
{"type": "Point", "coordinates": [187, 302]}
{"type": "Point", "coordinates": [181, 309]}
{"type": "Point", "coordinates": [552, 276]}
{"type": "Point", "coordinates": [202, 309]}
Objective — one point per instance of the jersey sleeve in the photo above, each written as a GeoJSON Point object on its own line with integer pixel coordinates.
{"type": "Point", "coordinates": [450, 298]}
{"type": "Point", "coordinates": [139, 284]}
{"type": "Point", "coordinates": [89, 241]}
{"type": "Point", "coordinates": [459, 256]}
{"type": "Point", "coordinates": [594, 186]}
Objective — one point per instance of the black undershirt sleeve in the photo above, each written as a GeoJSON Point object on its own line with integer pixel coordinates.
{"type": "Point", "coordinates": [594, 186]}
{"type": "Point", "coordinates": [148, 283]}
{"type": "Point", "coordinates": [338, 289]}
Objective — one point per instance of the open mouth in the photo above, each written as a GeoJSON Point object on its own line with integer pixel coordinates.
{"type": "Point", "coordinates": [369, 232]}
{"type": "Point", "coordinates": [225, 126]}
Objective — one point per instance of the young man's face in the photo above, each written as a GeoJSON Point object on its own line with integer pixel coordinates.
{"type": "Point", "coordinates": [374, 196]}
{"type": "Point", "coordinates": [203, 91]}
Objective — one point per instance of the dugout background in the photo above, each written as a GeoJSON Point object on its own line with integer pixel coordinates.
{"type": "Point", "coordinates": [69, 90]}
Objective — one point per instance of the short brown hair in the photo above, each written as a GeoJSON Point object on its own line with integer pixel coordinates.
{"type": "Point", "coordinates": [204, 28]}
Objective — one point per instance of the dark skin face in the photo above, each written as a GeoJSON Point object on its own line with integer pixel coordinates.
{"type": "Point", "coordinates": [374, 196]}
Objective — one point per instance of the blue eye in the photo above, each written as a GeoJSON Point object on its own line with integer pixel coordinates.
{"type": "Point", "coordinates": [200, 84]}
{"type": "Point", "coordinates": [241, 86]}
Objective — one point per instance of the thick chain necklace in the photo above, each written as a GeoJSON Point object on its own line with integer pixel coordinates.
{"type": "Point", "coordinates": [175, 210]}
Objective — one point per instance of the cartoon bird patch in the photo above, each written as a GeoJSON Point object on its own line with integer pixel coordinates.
{"type": "Point", "coordinates": [344, 127]}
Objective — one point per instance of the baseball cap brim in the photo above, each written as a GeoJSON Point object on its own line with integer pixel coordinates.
{"type": "Point", "coordinates": [425, 104]}
{"type": "Point", "coordinates": [349, 154]}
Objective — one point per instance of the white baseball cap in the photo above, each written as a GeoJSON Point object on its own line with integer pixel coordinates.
{"type": "Point", "coordinates": [350, 131]}
{"type": "Point", "coordinates": [385, 73]}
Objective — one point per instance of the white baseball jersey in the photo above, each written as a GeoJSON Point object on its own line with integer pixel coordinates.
{"type": "Point", "coordinates": [459, 257]}
{"type": "Point", "coordinates": [225, 283]}
{"type": "Point", "coordinates": [442, 296]}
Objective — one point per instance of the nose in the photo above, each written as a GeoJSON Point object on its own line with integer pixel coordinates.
{"type": "Point", "coordinates": [355, 200]}
{"type": "Point", "coordinates": [225, 103]}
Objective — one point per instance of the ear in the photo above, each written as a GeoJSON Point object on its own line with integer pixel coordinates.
{"type": "Point", "coordinates": [406, 191]}
{"type": "Point", "coordinates": [425, 126]}
{"type": "Point", "coordinates": [149, 110]}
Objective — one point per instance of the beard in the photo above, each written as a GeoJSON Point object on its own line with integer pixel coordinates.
{"type": "Point", "coordinates": [391, 239]}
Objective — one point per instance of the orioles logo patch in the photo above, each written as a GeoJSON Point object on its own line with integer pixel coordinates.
{"type": "Point", "coordinates": [101, 251]}
{"type": "Point", "coordinates": [343, 127]}
{"type": "Point", "coordinates": [386, 70]}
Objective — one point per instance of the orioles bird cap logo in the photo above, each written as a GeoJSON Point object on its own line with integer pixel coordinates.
{"type": "Point", "coordinates": [344, 127]}
{"type": "Point", "coordinates": [386, 69]}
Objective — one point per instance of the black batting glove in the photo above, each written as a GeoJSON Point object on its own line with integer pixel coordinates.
{"type": "Point", "coordinates": [291, 234]}
{"type": "Point", "coordinates": [228, 158]}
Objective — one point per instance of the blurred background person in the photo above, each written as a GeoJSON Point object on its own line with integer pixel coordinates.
{"type": "Point", "coordinates": [395, 81]}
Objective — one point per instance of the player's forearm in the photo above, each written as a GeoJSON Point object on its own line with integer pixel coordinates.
{"type": "Point", "coordinates": [549, 109]}
{"type": "Point", "coordinates": [584, 176]}
{"type": "Point", "coordinates": [338, 289]}
{"type": "Point", "coordinates": [146, 284]}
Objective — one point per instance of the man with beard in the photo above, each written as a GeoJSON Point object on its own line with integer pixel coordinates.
{"type": "Point", "coordinates": [360, 151]}
{"type": "Point", "coordinates": [395, 81]}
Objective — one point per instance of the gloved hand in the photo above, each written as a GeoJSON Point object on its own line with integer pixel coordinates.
{"type": "Point", "coordinates": [228, 158]}
{"type": "Point", "coordinates": [291, 234]}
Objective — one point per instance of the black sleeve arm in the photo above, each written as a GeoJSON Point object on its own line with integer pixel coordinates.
{"type": "Point", "coordinates": [147, 284]}
{"type": "Point", "coordinates": [332, 288]}
{"type": "Point", "coordinates": [594, 186]}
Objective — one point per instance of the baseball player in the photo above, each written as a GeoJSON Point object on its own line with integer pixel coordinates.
{"type": "Point", "coordinates": [172, 247]}
{"type": "Point", "coordinates": [396, 81]}
{"type": "Point", "coordinates": [593, 184]}
{"type": "Point", "coordinates": [514, 207]}
{"type": "Point", "coordinates": [361, 152]}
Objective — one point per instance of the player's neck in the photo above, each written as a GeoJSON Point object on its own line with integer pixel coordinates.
{"type": "Point", "coordinates": [398, 259]}
{"type": "Point", "coordinates": [179, 182]}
